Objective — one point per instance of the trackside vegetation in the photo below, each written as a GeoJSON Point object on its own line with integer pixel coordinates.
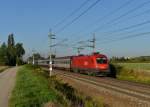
{"type": "Point", "coordinates": [135, 72]}
{"type": "Point", "coordinates": [34, 88]}
{"type": "Point", "coordinates": [75, 98]}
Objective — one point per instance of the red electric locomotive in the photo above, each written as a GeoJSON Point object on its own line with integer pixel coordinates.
{"type": "Point", "coordinates": [92, 64]}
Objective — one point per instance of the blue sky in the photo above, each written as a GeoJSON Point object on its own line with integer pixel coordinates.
{"type": "Point", "coordinates": [30, 21]}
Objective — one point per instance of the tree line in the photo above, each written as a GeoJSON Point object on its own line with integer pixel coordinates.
{"type": "Point", "coordinates": [11, 53]}
{"type": "Point", "coordinates": [140, 59]}
{"type": "Point", "coordinates": [38, 56]}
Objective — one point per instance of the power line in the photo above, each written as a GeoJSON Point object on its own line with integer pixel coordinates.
{"type": "Point", "coordinates": [114, 11]}
{"type": "Point", "coordinates": [76, 18]}
{"type": "Point", "coordinates": [126, 37]}
{"type": "Point", "coordinates": [128, 27]}
{"type": "Point", "coordinates": [134, 16]}
{"type": "Point", "coordinates": [72, 13]}
{"type": "Point", "coordinates": [136, 25]}
{"type": "Point", "coordinates": [123, 33]}
{"type": "Point", "coordinates": [124, 29]}
{"type": "Point", "coordinates": [91, 41]}
{"type": "Point", "coordinates": [109, 14]}
{"type": "Point", "coordinates": [123, 15]}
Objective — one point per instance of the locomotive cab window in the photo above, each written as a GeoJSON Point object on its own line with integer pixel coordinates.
{"type": "Point", "coordinates": [101, 60]}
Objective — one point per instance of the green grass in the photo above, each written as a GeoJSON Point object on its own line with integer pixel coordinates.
{"type": "Point", "coordinates": [32, 89]}
{"type": "Point", "coordinates": [136, 72]}
{"type": "Point", "coordinates": [136, 66]}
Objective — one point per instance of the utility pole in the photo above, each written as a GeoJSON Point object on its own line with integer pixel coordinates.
{"type": "Point", "coordinates": [51, 36]}
{"type": "Point", "coordinates": [93, 41]}
{"type": "Point", "coordinates": [79, 50]}
{"type": "Point", "coordinates": [33, 60]}
{"type": "Point", "coordinates": [93, 45]}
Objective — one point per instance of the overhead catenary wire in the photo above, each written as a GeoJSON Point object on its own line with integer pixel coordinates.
{"type": "Point", "coordinates": [125, 37]}
{"type": "Point", "coordinates": [109, 34]}
{"type": "Point", "coordinates": [121, 16]}
{"type": "Point", "coordinates": [110, 37]}
{"type": "Point", "coordinates": [76, 18]}
{"type": "Point", "coordinates": [128, 27]}
{"type": "Point", "coordinates": [107, 15]}
{"type": "Point", "coordinates": [134, 16]}
{"type": "Point", "coordinates": [72, 13]}
{"type": "Point", "coordinates": [131, 26]}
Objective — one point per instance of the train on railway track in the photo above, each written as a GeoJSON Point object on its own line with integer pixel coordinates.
{"type": "Point", "coordinates": [94, 64]}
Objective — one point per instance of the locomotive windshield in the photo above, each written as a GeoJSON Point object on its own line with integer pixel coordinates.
{"type": "Point", "coordinates": [101, 60]}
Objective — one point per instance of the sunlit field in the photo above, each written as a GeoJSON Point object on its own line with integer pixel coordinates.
{"type": "Point", "coordinates": [136, 66]}
{"type": "Point", "coordinates": [137, 72]}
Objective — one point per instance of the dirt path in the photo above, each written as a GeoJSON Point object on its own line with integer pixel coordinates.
{"type": "Point", "coordinates": [7, 80]}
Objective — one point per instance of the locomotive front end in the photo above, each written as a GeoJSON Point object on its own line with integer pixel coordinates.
{"type": "Point", "coordinates": [102, 64]}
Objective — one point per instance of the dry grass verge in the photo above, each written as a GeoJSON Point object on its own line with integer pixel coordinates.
{"type": "Point", "coordinates": [3, 68]}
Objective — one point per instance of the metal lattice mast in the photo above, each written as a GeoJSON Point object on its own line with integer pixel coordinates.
{"type": "Point", "coordinates": [51, 36]}
{"type": "Point", "coordinates": [93, 41]}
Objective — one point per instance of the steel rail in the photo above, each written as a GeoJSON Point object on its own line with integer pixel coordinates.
{"type": "Point", "coordinates": [132, 93]}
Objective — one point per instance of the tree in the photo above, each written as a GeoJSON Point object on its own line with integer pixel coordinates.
{"type": "Point", "coordinates": [19, 53]}
{"type": "Point", "coordinates": [11, 41]}
{"type": "Point", "coordinates": [11, 52]}
{"type": "Point", "coordinates": [53, 56]}
{"type": "Point", "coordinates": [3, 55]}
{"type": "Point", "coordinates": [37, 57]}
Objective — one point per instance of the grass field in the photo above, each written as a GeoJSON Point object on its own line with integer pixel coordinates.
{"type": "Point", "coordinates": [136, 72]}
{"type": "Point", "coordinates": [136, 66]}
{"type": "Point", "coordinates": [32, 90]}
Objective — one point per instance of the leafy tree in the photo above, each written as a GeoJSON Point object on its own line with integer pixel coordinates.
{"type": "Point", "coordinates": [19, 50]}
{"type": "Point", "coordinates": [37, 56]}
{"type": "Point", "coordinates": [3, 55]}
{"type": "Point", "coordinates": [11, 52]}
{"type": "Point", "coordinates": [11, 41]}
{"type": "Point", "coordinates": [53, 56]}
{"type": "Point", "coordinates": [19, 53]}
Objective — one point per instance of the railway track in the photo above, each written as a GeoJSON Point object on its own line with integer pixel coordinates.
{"type": "Point", "coordinates": [137, 91]}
